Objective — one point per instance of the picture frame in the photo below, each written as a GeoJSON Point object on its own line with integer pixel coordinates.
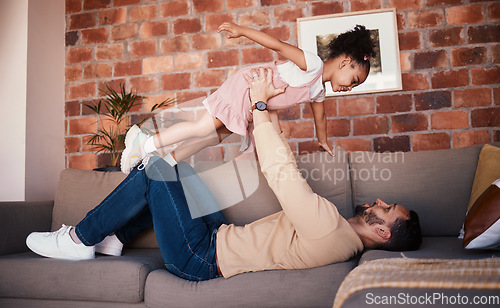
{"type": "Point", "coordinates": [385, 72]}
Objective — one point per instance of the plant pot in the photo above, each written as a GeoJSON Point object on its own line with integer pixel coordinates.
{"type": "Point", "coordinates": [108, 169]}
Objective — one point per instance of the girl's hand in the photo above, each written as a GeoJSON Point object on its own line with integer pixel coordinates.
{"type": "Point", "coordinates": [233, 30]}
{"type": "Point", "coordinates": [325, 147]}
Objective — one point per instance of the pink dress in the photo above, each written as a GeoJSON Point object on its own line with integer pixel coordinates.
{"type": "Point", "coordinates": [231, 102]}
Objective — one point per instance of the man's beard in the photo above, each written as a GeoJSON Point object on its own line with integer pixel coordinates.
{"type": "Point", "coordinates": [368, 216]}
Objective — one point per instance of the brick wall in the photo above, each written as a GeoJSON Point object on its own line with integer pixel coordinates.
{"type": "Point", "coordinates": [450, 55]}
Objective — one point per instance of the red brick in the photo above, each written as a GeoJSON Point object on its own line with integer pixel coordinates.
{"type": "Point", "coordinates": [405, 61]}
{"type": "Point", "coordinates": [493, 12]}
{"type": "Point", "coordinates": [471, 97]}
{"type": "Point", "coordinates": [125, 2]}
{"type": "Point", "coordinates": [402, 5]}
{"type": "Point", "coordinates": [175, 44]}
{"type": "Point", "coordinates": [401, 21]}
{"type": "Point", "coordinates": [256, 55]}
{"type": "Point", "coordinates": [302, 129]}
{"type": "Point", "coordinates": [72, 144]}
{"type": "Point", "coordinates": [114, 84]}
{"type": "Point", "coordinates": [184, 98]}
{"type": "Point", "coordinates": [113, 17]}
{"type": "Point", "coordinates": [453, 119]}
{"type": "Point", "coordinates": [213, 21]}
{"type": "Point", "coordinates": [464, 14]}
{"type": "Point", "coordinates": [338, 127]}
{"type": "Point", "coordinates": [73, 6]}
{"type": "Point", "coordinates": [436, 141]}
{"type": "Point", "coordinates": [222, 58]}
{"type": "Point", "coordinates": [432, 100]}
{"type": "Point", "coordinates": [425, 18]}
{"type": "Point", "coordinates": [450, 79]}
{"type": "Point", "coordinates": [128, 68]}
{"type": "Point", "coordinates": [330, 107]}
{"type": "Point", "coordinates": [123, 32]}
{"type": "Point", "coordinates": [206, 41]}
{"type": "Point", "coordinates": [95, 36]}
{"type": "Point", "coordinates": [240, 4]}
{"type": "Point", "coordinates": [370, 126]}
{"type": "Point", "coordinates": [464, 139]}
{"type": "Point", "coordinates": [484, 76]}
{"type": "Point", "coordinates": [487, 117]}
{"type": "Point", "coordinates": [73, 73]}
{"type": "Point", "coordinates": [446, 37]}
{"type": "Point", "coordinates": [97, 70]}
{"type": "Point", "coordinates": [281, 33]}
{"type": "Point", "coordinates": [79, 54]}
{"type": "Point", "coordinates": [484, 34]}
{"type": "Point", "coordinates": [189, 61]}
{"type": "Point", "coordinates": [442, 2]}
{"type": "Point", "coordinates": [288, 14]}
{"type": "Point", "coordinates": [356, 106]}
{"type": "Point", "coordinates": [394, 103]}
{"type": "Point", "coordinates": [71, 38]}
{"type": "Point", "coordinates": [203, 6]}
{"type": "Point", "coordinates": [327, 7]}
{"type": "Point", "coordinates": [469, 56]}
{"type": "Point", "coordinates": [72, 108]}
{"type": "Point", "coordinates": [273, 2]}
{"type": "Point", "coordinates": [96, 4]}
{"type": "Point", "coordinates": [495, 52]}
{"type": "Point", "coordinates": [109, 52]}
{"type": "Point", "coordinates": [392, 144]}
{"type": "Point", "coordinates": [353, 144]}
{"type": "Point", "coordinates": [80, 126]}
{"type": "Point", "coordinates": [255, 18]}
{"type": "Point", "coordinates": [430, 59]}
{"type": "Point", "coordinates": [209, 78]}
{"type": "Point", "coordinates": [152, 29]}
{"type": "Point", "coordinates": [496, 137]}
{"type": "Point", "coordinates": [144, 84]}
{"type": "Point", "coordinates": [409, 40]}
{"type": "Point", "coordinates": [82, 162]}
{"type": "Point", "coordinates": [413, 81]}
{"type": "Point", "coordinates": [291, 113]}
{"type": "Point", "coordinates": [142, 48]}
{"type": "Point", "coordinates": [176, 81]}
{"type": "Point", "coordinates": [496, 96]}
{"type": "Point", "coordinates": [153, 65]}
{"type": "Point", "coordinates": [174, 8]}
{"type": "Point", "coordinates": [311, 146]}
{"type": "Point", "coordinates": [141, 13]}
{"type": "Point", "coordinates": [82, 21]}
{"type": "Point", "coordinates": [364, 5]}
{"type": "Point", "coordinates": [188, 25]}
{"type": "Point", "coordinates": [409, 122]}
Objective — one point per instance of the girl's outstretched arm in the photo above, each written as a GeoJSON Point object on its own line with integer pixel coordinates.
{"type": "Point", "coordinates": [286, 50]}
{"type": "Point", "coordinates": [318, 109]}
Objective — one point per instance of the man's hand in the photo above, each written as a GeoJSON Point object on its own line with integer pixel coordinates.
{"type": "Point", "coordinates": [261, 85]}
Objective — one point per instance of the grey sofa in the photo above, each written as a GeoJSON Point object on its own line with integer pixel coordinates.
{"type": "Point", "coordinates": [436, 184]}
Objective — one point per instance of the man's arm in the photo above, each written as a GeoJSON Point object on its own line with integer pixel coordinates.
{"type": "Point", "coordinates": [311, 215]}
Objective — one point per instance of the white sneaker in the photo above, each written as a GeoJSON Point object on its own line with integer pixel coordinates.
{"type": "Point", "coordinates": [59, 245]}
{"type": "Point", "coordinates": [110, 246]}
{"type": "Point", "coordinates": [134, 149]}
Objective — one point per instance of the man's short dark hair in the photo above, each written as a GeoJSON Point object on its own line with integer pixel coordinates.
{"type": "Point", "coordinates": [405, 234]}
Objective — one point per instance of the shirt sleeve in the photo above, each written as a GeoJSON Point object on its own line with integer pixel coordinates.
{"type": "Point", "coordinates": [311, 215]}
{"type": "Point", "coordinates": [313, 62]}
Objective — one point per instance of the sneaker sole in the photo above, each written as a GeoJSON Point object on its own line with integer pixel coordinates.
{"type": "Point", "coordinates": [129, 140]}
{"type": "Point", "coordinates": [108, 251]}
{"type": "Point", "coordinates": [57, 255]}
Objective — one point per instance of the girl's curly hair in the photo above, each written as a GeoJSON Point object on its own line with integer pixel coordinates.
{"type": "Point", "coordinates": [356, 44]}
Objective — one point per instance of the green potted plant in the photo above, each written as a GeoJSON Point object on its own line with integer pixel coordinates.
{"type": "Point", "coordinates": [114, 109]}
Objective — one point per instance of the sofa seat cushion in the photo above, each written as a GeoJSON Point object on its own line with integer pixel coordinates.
{"type": "Point", "coordinates": [106, 278]}
{"type": "Point", "coordinates": [433, 248]}
{"type": "Point", "coordinates": [314, 287]}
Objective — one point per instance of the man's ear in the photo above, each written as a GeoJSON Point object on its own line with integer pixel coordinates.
{"type": "Point", "coordinates": [383, 232]}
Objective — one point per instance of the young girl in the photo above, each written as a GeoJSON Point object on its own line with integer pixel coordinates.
{"type": "Point", "coordinates": [229, 109]}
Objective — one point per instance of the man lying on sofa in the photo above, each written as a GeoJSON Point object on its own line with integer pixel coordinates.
{"type": "Point", "coordinates": [308, 232]}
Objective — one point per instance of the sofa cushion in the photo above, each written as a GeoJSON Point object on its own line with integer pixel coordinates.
{"type": "Point", "coordinates": [487, 171]}
{"type": "Point", "coordinates": [433, 248]}
{"type": "Point", "coordinates": [435, 184]}
{"type": "Point", "coordinates": [314, 287]}
{"type": "Point", "coordinates": [114, 279]}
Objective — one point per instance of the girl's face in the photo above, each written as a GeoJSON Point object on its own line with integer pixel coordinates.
{"type": "Point", "coordinates": [348, 75]}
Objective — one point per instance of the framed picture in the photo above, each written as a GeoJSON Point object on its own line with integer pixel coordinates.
{"type": "Point", "coordinates": [315, 33]}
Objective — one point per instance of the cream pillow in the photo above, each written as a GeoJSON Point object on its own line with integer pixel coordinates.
{"type": "Point", "coordinates": [488, 170]}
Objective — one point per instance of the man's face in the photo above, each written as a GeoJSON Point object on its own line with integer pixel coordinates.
{"type": "Point", "coordinates": [381, 213]}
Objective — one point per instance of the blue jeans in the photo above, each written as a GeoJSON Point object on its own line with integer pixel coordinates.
{"type": "Point", "coordinates": [156, 196]}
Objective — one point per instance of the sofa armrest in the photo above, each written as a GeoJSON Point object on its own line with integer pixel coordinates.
{"type": "Point", "coordinates": [18, 219]}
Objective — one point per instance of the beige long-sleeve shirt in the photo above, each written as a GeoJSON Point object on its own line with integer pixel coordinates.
{"type": "Point", "coordinates": [308, 232]}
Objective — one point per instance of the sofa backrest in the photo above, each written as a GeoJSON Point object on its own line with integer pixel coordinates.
{"type": "Point", "coordinates": [435, 184]}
